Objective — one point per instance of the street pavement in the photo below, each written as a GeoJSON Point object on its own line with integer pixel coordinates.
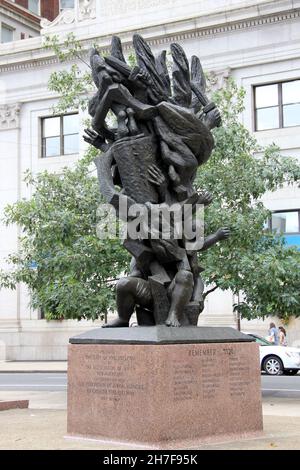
{"type": "Point", "coordinates": [46, 381]}
{"type": "Point", "coordinates": [281, 386]}
{"type": "Point", "coordinates": [278, 386]}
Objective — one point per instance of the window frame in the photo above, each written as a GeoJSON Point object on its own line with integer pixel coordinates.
{"type": "Point", "coordinates": [283, 211]}
{"type": "Point", "coordinates": [66, 8]}
{"type": "Point", "coordinates": [38, 13]}
{"type": "Point", "coordinates": [61, 135]}
{"type": "Point", "coordinates": [10, 28]}
{"type": "Point", "coordinates": [260, 340]}
{"type": "Point", "coordinates": [280, 105]}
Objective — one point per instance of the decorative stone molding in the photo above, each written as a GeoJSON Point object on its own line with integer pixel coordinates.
{"type": "Point", "coordinates": [225, 28]}
{"type": "Point", "coordinates": [65, 17]}
{"type": "Point", "coordinates": [86, 10]}
{"type": "Point", "coordinates": [10, 116]}
{"type": "Point", "coordinates": [217, 79]}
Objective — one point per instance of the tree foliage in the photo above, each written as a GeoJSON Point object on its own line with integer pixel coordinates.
{"type": "Point", "coordinates": [68, 269]}
{"type": "Point", "coordinates": [238, 174]}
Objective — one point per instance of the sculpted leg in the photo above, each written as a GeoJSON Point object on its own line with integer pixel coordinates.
{"type": "Point", "coordinates": [122, 128]}
{"type": "Point", "coordinates": [181, 295]}
{"type": "Point", "coordinates": [131, 291]}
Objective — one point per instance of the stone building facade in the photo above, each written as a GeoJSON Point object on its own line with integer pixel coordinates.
{"type": "Point", "coordinates": [44, 8]}
{"type": "Point", "coordinates": [257, 43]}
{"type": "Point", "coordinates": [17, 23]}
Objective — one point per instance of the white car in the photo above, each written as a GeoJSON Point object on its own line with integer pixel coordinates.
{"type": "Point", "coordinates": [276, 360]}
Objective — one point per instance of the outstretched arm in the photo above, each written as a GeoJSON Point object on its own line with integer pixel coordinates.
{"type": "Point", "coordinates": [93, 138]}
{"type": "Point", "coordinates": [211, 240]}
{"type": "Point", "coordinates": [117, 93]}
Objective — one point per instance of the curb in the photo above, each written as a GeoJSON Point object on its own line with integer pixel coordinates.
{"type": "Point", "coordinates": [33, 371]}
{"type": "Point", "coordinates": [13, 405]}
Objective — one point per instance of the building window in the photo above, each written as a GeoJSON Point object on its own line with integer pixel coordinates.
{"type": "Point", "coordinates": [34, 6]}
{"type": "Point", "coordinates": [7, 33]}
{"type": "Point", "coordinates": [60, 135]}
{"type": "Point", "coordinates": [63, 4]}
{"type": "Point", "coordinates": [277, 105]}
{"type": "Point", "coordinates": [286, 222]}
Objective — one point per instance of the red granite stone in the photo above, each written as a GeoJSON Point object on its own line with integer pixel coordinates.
{"type": "Point", "coordinates": [164, 396]}
{"type": "Point", "coordinates": [13, 404]}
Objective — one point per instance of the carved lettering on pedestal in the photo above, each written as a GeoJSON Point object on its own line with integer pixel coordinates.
{"type": "Point", "coordinates": [211, 379]}
{"type": "Point", "coordinates": [184, 381]}
{"type": "Point", "coordinates": [208, 380]}
{"type": "Point", "coordinates": [111, 374]}
{"type": "Point", "coordinates": [239, 376]}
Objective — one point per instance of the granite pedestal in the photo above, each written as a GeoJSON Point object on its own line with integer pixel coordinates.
{"type": "Point", "coordinates": [162, 387]}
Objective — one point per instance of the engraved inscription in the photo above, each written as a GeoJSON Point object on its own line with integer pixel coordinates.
{"type": "Point", "coordinates": [110, 374]}
{"type": "Point", "coordinates": [211, 378]}
{"type": "Point", "coordinates": [239, 376]}
{"type": "Point", "coordinates": [184, 381]}
{"type": "Point", "coordinates": [198, 376]}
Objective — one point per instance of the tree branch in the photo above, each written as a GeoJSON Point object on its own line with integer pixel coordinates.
{"type": "Point", "coordinates": [209, 291]}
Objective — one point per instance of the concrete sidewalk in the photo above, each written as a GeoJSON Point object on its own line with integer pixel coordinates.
{"type": "Point", "coordinates": [46, 429]}
{"type": "Point", "coordinates": [44, 426]}
{"type": "Point", "coordinates": [38, 400]}
{"type": "Point", "coordinates": [33, 366]}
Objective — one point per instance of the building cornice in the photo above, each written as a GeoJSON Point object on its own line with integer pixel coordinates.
{"type": "Point", "coordinates": [27, 56]}
{"type": "Point", "coordinates": [20, 13]}
{"type": "Point", "coordinates": [183, 34]}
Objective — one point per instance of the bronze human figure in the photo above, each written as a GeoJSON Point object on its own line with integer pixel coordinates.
{"type": "Point", "coordinates": [162, 135]}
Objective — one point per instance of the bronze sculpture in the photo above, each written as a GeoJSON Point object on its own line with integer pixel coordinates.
{"type": "Point", "coordinates": [151, 157]}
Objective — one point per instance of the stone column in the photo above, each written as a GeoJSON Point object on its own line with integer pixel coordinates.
{"type": "Point", "coordinates": [9, 193]}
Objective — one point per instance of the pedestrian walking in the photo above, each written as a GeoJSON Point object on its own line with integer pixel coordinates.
{"type": "Point", "coordinates": [273, 334]}
{"type": "Point", "coordinates": [282, 336]}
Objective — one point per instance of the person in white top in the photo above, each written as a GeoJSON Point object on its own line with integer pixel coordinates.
{"type": "Point", "coordinates": [282, 336]}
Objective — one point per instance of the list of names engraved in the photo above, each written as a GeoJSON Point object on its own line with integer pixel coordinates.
{"type": "Point", "coordinates": [184, 381]}
{"type": "Point", "coordinates": [196, 376]}
{"type": "Point", "coordinates": [210, 375]}
{"type": "Point", "coordinates": [239, 375]}
{"type": "Point", "coordinates": [208, 371]}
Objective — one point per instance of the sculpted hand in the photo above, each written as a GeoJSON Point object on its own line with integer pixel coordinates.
{"type": "Point", "coordinates": [139, 76]}
{"type": "Point", "coordinates": [223, 233]}
{"type": "Point", "coordinates": [205, 198]}
{"type": "Point", "coordinates": [93, 138]}
{"type": "Point", "coordinates": [156, 176]}
{"type": "Point", "coordinates": [212, 119]}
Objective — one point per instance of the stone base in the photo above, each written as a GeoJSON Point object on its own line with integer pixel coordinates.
{"type": "Point", "coordinates": [164, 395]}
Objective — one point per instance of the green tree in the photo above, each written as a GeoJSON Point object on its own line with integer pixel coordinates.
{"type": "Point", "coordinates": [70, 271]}
{"type": "Point", "coordinates": [252, 261]}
